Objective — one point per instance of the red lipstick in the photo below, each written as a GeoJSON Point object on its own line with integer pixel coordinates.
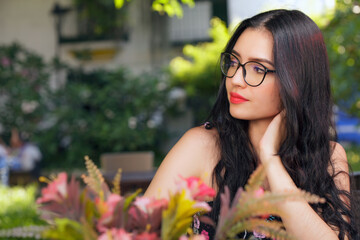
{"type": "Point", "coordinates": [237, 98]}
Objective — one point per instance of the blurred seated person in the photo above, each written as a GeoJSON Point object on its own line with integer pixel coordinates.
{"type": "Point", "coordinates": [27, 155]}
{"type": "Point", "coordinates": [3, 152]}
{"type": "Point", "coordinates": [4, 166]}
{"type": "Point", "coordinates": [6, 163]}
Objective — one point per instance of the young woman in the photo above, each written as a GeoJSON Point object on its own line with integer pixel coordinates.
{"type": "Point", "coordinates": [273, 108]}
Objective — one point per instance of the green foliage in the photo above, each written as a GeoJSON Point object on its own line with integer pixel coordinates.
{"type": "Point", "coordinates": [170, 7]}
{"type": "Point", "coordinates": [178, 216]}
{"type": "Point", "coordinates": [119, 3]}
{"type": "Point", "coordinates": [198, 71]}
{"type": "Point", "coordinates": [62, 205]}
{"type": "Point", "coordinates": [342, 36]}
{"type": "Point", "coordinates": [94, 112]}
{"type": "Point", "coordinates": [18, 208]}
{"type": "Point", "coordinates": [353, 155]}
{"type": "Point", "coordinates": [104, 111]}
{"type": "Point", "coordinates": [65, 229]}
{"type": "Point", "coordinates": [24, 90]}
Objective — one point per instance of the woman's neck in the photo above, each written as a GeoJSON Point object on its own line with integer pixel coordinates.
{"type": "Point", "coordinates": [257, 129]}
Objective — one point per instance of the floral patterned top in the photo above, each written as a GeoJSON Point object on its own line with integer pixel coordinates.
{"type": "Point", "coordinates": [209, 232]}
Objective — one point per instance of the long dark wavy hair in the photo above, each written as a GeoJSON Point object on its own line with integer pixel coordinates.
{"type": "Point", "coordinates": [302, 69]}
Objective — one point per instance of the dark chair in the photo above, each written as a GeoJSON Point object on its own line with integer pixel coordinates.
{"type": "Point", "coordinates": [137, 169]}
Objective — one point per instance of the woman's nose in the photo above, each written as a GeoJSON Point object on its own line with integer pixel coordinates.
{"type": "Point", "coordinates": [239, 78]}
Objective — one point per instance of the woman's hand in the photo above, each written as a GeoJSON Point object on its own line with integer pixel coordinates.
{"type": "Point", "coordinates": [273, 137]}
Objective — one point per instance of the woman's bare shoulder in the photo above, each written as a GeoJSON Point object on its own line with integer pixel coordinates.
{"type": "Point", "coordinates": [340, 166]}
{"type": "Point", "coordinates": [197, 146]}
{"type": "Point", "coordinates": [200, 135]}
{"type": "Point", "coordinates": [195, 154]}
{"type": "Point", "coordinates": [338, 156]}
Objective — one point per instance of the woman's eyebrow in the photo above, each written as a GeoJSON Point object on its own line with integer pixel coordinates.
{"type": "Point", "coordinates": [262, 60]}
{"type": "Point", "coordinates": [255, 59]}
{"type": "Point", "coordinates": [236, 53]}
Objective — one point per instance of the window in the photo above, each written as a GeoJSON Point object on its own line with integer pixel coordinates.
{"type": "Point", "coordinates": [194, 25]}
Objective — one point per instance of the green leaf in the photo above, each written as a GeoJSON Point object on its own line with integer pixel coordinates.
{"type": "Point", "coordinates": [171, 7]}
{"type": "Point", "coordinates": [130, 199]}
{"type": "Point", "coordinates": [190, 3]}
{"type": "Point", "coordinates": [157, 7]}
{"type": "Point", "coordinates": [198, 72]}
{"type": "Point", "coordinates": [89, 232]}
{"type": "Point", "coordinates": [176, 219]}
{"type": "Point", "coordinates": [65, 229]}
{"type": "Point", "coordinates": [119, 3]}
{"type": "Point", "coordinates": [170, 10]}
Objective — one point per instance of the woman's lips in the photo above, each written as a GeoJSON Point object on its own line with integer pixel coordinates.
{"type": "Point", "coordinates": [237, 98]}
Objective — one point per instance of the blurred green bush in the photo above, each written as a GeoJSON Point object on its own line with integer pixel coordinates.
{"type": "Point", "coordinates": [18, 208]}
{"type": "Point", "coordinates": [342, 36]}
{"type": "Point", "coordinates": [94, 112]}
{"type": "Point", "coordinates": [198, 71]}
{"type": "Point", "coordinates": [104, 111]}
{"type": "Point", "coordinates": [24, 91]}
{"type": "Point", "coordinates": [353, 155]}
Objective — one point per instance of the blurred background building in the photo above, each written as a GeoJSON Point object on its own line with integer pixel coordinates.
{"type": "Point", "coordinates": [60, 28]}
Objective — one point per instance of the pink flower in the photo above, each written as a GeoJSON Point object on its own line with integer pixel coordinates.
{"type": "Point", "coordinates": [155, 204]}
{"type": "Point", "coordinates": [55, 191]}
{"type": "Point", "coordinates": [259, 235]}
{"type": "Point", "coordinates": [147, 236]}
{"type": "Point", "coordinates": [115, 234]}
{"type": "Point", "coordinates": [142, 204]}
{"type": "Point", "coordinates": [30, 74]}
{"type": "Point", "coordinates": [205, 234]}
{"type": "Point", "coordinates": [203, 205]}
{"type": "Point", "coordinates": [259, 193]}
{"type": "Point", "coordinates": [198, 190]}
{"type": "Point", "coordinates": [108, 217]}
{"type": "Point", "coordinates": [146, 212]}
{"type": "Point", "coordinates": [5, 61]}
{"type": "Point", "coordinates": [194, 237]}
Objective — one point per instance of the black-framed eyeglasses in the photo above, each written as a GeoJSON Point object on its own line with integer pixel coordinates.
{"type": "Point", "coordinates": [253, 72]}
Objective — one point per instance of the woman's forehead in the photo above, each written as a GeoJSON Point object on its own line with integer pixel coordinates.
{"type": "Point", "coordinates": [254, 43]}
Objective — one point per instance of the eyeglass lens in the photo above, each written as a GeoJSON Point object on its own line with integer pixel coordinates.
{"type": "Point", "coordinates": [253, 72]}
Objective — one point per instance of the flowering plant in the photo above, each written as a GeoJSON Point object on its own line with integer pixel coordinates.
{"type": "Point", "coordinates": [96, 212]}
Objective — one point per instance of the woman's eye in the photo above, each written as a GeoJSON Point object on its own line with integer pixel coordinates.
{"type": "Point", "coordinates": [233, 63]}
{"type": "Point", "coordinates": [258, 69]}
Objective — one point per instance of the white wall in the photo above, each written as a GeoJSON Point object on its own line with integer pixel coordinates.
{"type": "Point", "coordinates": [239, 9]}
{"type": "Point", "coordinates": [29, 23]}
